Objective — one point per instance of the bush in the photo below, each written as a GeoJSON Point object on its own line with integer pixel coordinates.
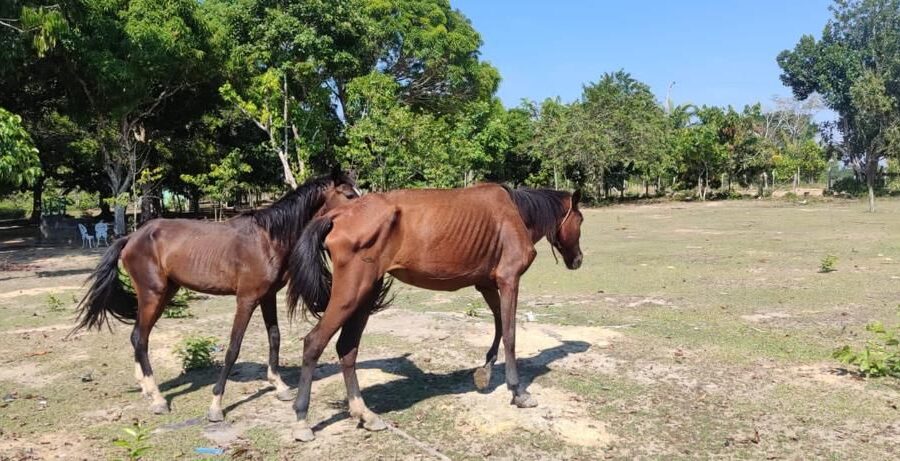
{"type": "Point", "coordinates": [178, 306]}
{"type": "Point", "coordinates": [196, 352]}
{"type": "Point", "coordinates": [15, 206]}
{"type": "Point", "coordinates": [135, 441]}
{"type": "Point", "coordinates": [848, 184]}
{"type": "Point", "coordinates": [880, 356]}
{"type": "Point", "coordinates": [829, 264]}
{"type": "Point", "coordinates": [54, 303]}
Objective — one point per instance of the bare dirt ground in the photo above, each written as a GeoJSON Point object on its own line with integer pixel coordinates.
{"type": "Point", "coordinates": [691, 331]}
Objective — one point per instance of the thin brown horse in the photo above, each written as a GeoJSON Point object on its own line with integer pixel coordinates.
{"type": "Point", "coordinates": [244, 256]}
{"type": "Point", "coordinates": [481, 236]}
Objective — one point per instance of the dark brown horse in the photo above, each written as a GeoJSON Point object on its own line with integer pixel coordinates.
{"type": "Point", "coordinates": [244, 256]}
{"type": "Point", "coordinates": [482, 236]}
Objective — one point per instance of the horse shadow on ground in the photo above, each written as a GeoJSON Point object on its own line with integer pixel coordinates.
{"type": "Point", "coordinates": [413, 386]}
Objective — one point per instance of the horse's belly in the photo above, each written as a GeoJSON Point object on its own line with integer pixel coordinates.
{"type": "Point", "coordinates": [440, 282]}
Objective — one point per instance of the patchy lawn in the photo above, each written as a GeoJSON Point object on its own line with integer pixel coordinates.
{"type": "Point", "coordinates": [691, 330]}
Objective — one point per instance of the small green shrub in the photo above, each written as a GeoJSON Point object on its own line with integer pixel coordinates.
{"type": "Point", "coordinates": [178, 306]}
{"type": "Point", "coordinates": [471, 311]}
{"type": "Point", "coordinates": [829, 264]}
{"type": "Point", "coordinates": [196, 352]}
{"type": "Point", "coordinates": [54, 303]}
{"type": "Point", "coordinates": [135, 443]}
{"type": "Point", "coordinates": [879, 357]}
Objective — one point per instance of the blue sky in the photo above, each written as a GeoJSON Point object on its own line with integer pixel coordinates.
{"type": "Point", "coordinates": [718, 52]}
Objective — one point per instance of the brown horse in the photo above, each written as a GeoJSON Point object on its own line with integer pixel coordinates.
{"type": "Point", "coordinates": [244, 256]}
{"type": "Point", "coordinates": [435, 239]}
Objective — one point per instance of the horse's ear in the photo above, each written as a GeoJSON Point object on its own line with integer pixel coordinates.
{"type": "Point", "coordinates": [576, 197]}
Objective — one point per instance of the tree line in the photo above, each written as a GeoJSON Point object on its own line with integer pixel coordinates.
{"type": "Point", "coordinates": [230, 98]}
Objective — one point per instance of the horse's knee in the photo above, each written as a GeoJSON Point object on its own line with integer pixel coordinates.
{"type": "Point", "coordinates": [312, 348]}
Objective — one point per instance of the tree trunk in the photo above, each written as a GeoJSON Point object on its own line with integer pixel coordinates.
{"type": "Point", "coordinates": [37, 199]}
{"type": "Point", "coordinates": [149, 203]}
{"type": "Point", "coordinates": [646, 188]}
{"type": "Point", "coordinates": [871, 170]}
{"type": "Point", "coordinates": [105, 213]}
{"type": "Point", "coordinates": [700, 186]}
{"type": "Point", "coordinates": [120, 227]}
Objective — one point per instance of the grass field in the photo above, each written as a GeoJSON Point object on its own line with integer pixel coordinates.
{"type": "Point", "coordinates": [691, 331]}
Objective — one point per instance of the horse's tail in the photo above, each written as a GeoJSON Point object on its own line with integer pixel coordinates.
{"type": "Point", "coordinates": [107, 295]}
{"type": "Point", "coordinates": [310, 277]}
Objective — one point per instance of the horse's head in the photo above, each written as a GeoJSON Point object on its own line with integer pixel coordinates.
{"type": "Point", "coordinates": [340, 189]}
{"type": "Point", "coordinates": [568, 234]}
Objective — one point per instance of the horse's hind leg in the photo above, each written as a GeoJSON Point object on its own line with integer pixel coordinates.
{"type": "Point", "coordinates": [270, 316]}
{"type": "Point", "coordinates": [483, 374]}
{"type": "Point", "coordinates": [152, 301]}
{"type": "Point", "coordinates": [348, 294]}
{"type": "Point", "coordinates": [245, 307]}
{"type": "Point", "coordinates": [347, 349]}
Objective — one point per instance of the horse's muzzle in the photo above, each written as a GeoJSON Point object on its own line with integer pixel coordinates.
{"type": "Point", "coordinates": [575, 264]}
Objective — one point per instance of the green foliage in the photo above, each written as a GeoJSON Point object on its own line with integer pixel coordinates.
{"type": "Point", "coordinates": [19, 162]}
{"type": "Point", "coordinates": [196, 352]}
{"type": "Point", "coordinates": [178, 306]}
{"type": "Point", "coordinates": [223, 179]}
{"type": "Point", "coordinates": [880, 356]}
{"type": "Point", "coordinates": [829, 264]}
{"type": "Point", "coordinates": [471, 310]}
{"type": "Point", "coordinates": [135, 442]}
{"type": "Point", "coordinates": [853, 66]}
{"type": "Point", "coordinates": [54, 303]}
{"type": "Point", "coordinates": [226, 99]}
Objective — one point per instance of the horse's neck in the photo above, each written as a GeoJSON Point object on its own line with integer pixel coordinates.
{"type": "Point", "coordinates": [536, 233]}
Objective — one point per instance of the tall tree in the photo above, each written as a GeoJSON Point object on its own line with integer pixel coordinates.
{"type": "Point", "coordinates": [855, 66]}
{"type": "Point", "coordinates": [19, 162]}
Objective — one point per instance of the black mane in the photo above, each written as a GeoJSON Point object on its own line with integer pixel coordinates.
{"type": "Point", "coordinates": [286, 218]}
{"type": "Point", "coordinates": [541, 209]}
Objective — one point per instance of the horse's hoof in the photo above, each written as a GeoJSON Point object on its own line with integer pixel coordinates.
{"type": "Point", "coordinates": [302, 433]}
{"type": "Point", "coordinates": [215, 416]}
{"type": "Point", "coordinates": [375, 424]}
{"type": "Point", "coordinates": [159, 408]}
{"type": "Point", "coordinates": [482, 378]}
{"type": "Point", "coordinates": [524, 400]}
{"type": "Point", "coordinates": [285, 395]}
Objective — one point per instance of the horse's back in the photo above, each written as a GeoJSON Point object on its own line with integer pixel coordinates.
{"type": "Point", "coordinates": [440, 238]}
{"type": "Point", "coordinates": [201, 255]}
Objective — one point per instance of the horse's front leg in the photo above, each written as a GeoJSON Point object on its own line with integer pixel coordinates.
{"type": "Point", "coordinates": [245, 307]}
{"type": "Point", "coordinates": [270, 317]}
{"type": "Point", "coordinates": [509, 292]}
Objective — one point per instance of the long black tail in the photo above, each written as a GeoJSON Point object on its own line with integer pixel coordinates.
{"type": "Point", "coordinates": [107, 295]}
{"type": "Point", "coordinates": [310, 277]}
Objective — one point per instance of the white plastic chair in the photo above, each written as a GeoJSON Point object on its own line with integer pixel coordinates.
{"type": "Point", "coordinates": [101, 233]}
{"type": "Point", "coordinates": [85, 237]}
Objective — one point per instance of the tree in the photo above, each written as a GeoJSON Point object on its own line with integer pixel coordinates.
{"type": "Point", "coordinates": [19, 162]}
{"type": "Point", "coordinates": [855, 66]}
{"type": "Point", "coordinates": [701, 150]}
{"type": "Point", "coordinates": [223, 181]}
